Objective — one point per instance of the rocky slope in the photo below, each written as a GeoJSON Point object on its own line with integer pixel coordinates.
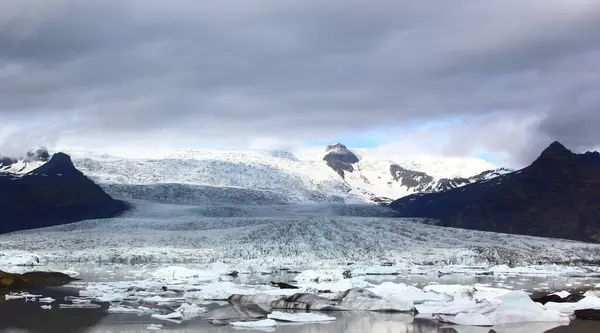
{"type": "Point", "coordinates": [383, 180]}
{"type": "Point", "coordinates": [52, 194]}
{"type": "Point", "coordinates": [558, 195]}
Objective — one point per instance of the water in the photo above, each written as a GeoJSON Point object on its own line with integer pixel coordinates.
{"type": "Point", "coordinates": [21, 316]}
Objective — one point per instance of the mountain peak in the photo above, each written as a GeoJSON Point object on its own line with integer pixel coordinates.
{"type": "Point", "coordinates": [59, 163]}
{"type": "Point", "coordinates": [555, 151]}
{"type": "Point", "coordinates": [337, 146]}
{"type": "Point", "coordinates": [556, 147]}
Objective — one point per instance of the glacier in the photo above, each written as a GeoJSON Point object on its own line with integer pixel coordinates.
{"type": "Point", "coordinates": [190, 176]}
{"type": "Point", "coordinates": [283, 236]}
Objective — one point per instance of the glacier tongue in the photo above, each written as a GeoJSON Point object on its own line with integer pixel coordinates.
{"type": "Point", "coordinates": [292, 236]}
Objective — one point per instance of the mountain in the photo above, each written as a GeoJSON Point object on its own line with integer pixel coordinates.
{"type": "Point", "coordinates": [558, 196]}
{"type": "Point", "coordinates": [33, 159]}
{"type": "Point", "coordinates": [381, 180]}
{"type": "Point", "coordinates": [53, 193]}
{"type": "Point", "coordinates": [334, 175]}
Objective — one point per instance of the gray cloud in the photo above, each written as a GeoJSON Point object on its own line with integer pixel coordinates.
{"type": "Point", "coordinates": [254, 69]}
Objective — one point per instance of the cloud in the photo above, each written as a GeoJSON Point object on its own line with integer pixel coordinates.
{"type": "Point", "coordinates": [201, 72]}
{"type": "Point", "coordinates": [575, 120]}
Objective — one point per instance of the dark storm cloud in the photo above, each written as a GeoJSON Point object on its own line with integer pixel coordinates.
{"type": "Point", "coordinates": [298, 69]}
{"type": "Point", "coordinates": [576, 120]}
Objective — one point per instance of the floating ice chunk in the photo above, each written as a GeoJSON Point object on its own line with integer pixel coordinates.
{"type": "Point", "coordinates": [589, 302]}
{"type": "Point", "coordinates": [19, 259]}
{"type": "Point", "coordinates": [320, 275]}
{"type": "Point", "coordinates": [124, 309]}
{"type": "Point", "coordinates": [219, 291]}
{"type": "Point", "coordinates": [262, 300]}
{"type": "Point", "coordinates": [237, 312]}
{"type": "Point", "coordinates": [259, 323]}
{"type": "Point", "coordinates": [379, 270]}
{"type": "Point", "coordinates": [26, 296]}
{"type": "Point", "coordinates": [300, 317]}
{"type": "Point", "coordinates": [364, 300]}
{"type": "Point", "coordinates": [46, 307]}
{"type": "Point", "coordinates": [337, 286]}
{"type": "Point", "coordinates": [562, 294]}
{"type": "Point", "coordinates": [401, 291]}
{"type": "Point", "coordinates": [70, 273]}
{"type": "Point", "coordinates": [476, 292]}
{"type": "Point", "coordinates": [190, 311]}
{"type": "Point", "coordinates": [517, 307]}
{"type": "Point", "coordinates": [467, 319]}
{"type": "Point", "coordinates": [109, 298]}
{"type": "Point", "coordinates": [594, 293]}
{"type": "Point", "coordinates": [154, 327]}
{"type": "Point", "coordinates": [177, 272]}
{"type": "Point", "coordinates": [452, 308]}
{"type": "Point", "coordinates": [174, 316]}
{"type": "Point", "coordinates": [47, 300]}
{"type": "Point", "coordinates": [304, 301]}
{"type": "Point", "coordinates": [157, 299]}
{"type": "Point", "coordinates": [79, 306]}
{"type": "Point", "coordinates": [80, 301]}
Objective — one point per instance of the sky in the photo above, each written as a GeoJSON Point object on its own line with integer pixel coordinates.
{"type": "Point", "coordinates": [498, 79]}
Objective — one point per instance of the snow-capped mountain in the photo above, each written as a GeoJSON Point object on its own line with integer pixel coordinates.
{"type": "Point", "coordinates": [382, 180]}
{"type": "Point", "coordinates": [52, 194]}
{"type": "Point", "coordinates": [338, 174]}
{"type": "Point", "coordinates": [19, 166]}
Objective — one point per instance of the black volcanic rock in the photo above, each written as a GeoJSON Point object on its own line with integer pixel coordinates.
{"type": "Point", "coordinates": [53, 194]}
{"type": "Point", "coordinates": [558, 195]}
{"type": "Point", "coordinates": [340, 159]}
{"type": "Point", "coordinates": [419, 181]}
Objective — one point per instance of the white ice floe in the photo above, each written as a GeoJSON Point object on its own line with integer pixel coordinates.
{"type": "Point", "coordinates": [328, 275]}
{"type": "Point", "coordinates": [173, 316]}
{"type": "Point", "coordinates": [214, 271]}
{"type": "Point", "coordinates": [514, 307]}
{"type": "Point", "coordinates": [468, 319]}
{"type": "Point", "coordinates": [299, 317]}
{"type": "Point", "coordinates": [17, 261]}
{"type": "Point", "coordinates": [452, 308]}
{"type": "Point", "coordinates": [154, 327]}
{"type": "Point", "coordinates": [190, 311]}
{"type": "Point", "coordinates": [538, 270]}
{"type": "Point", "coordinates": [475, 292]}
{"type": "Point", "coordinates": [46, 307]}
{"type": "Point", "coordinates": [335, 287]}
{"type": "Point", "coordinates": [390, 290]}
{"type": "Point", "coordinates": [364, 300]}
{"type": "Point", "coordinates": [589, 302]}
{"type": "Point", "coordinates": [379, 270]}
{"type": "Point", "coordinates": [26, 296]}
{"type": "Point", "coordinates": [562, 294]}
{"type": "Point", "coordinates": [125, 309]}
{"type": "Point", "coordinates": [253, 324]}
{"type": "Point", "coordinates": [47, 300]}
{"type": "Point", "coordinates": [79, 306]}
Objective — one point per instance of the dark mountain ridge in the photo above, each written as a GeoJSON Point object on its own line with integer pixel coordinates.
{"type": "Point", "coordinates": [558, 195]}
{"type": "Point", "coordinates": [53, 194]}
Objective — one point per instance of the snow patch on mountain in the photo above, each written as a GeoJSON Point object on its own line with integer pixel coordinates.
{"type": "Point", "coordinates": [303, 176]}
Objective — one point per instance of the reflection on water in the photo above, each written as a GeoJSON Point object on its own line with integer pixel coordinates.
{"type": "Point", "coordinates": [19, 316]}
